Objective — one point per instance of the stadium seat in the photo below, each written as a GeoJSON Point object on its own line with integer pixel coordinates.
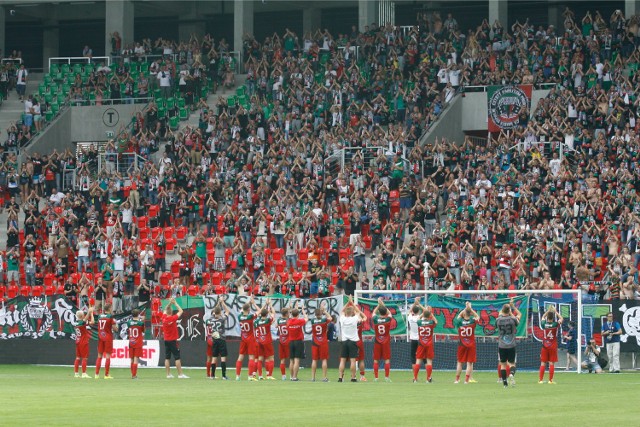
{"type": "Point", "coordinates": [170, 244]}
{"type": "Point", "coordinates": [25, 291]}
{"type": "Point", "coordinates": [193, 291]}
{"type": "Point", "coordinates": [168, 232]}
{"type": "Point", "coordinates": [13, 291]}
{"type": "Point", "coordinates": [155, 233]}
{"type": "Point", "coordinates": [49, 290]}
{"type": "Point", "coordinates": [143, 222]}
{"type": "Point", "coordinates": [153, 211]}
{"type": "Point", "coordinates": [181, 233]}
{"type": "Point", "coordinates": [37, 291]}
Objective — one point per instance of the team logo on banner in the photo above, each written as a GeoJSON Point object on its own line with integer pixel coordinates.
{"type": "Point", "coordinates": [505, 104]}
{"type": "Point", "coordinates": [35, 318]}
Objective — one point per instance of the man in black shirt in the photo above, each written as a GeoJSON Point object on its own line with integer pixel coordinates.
{"type": "Point", "coordinates": [350, 282]}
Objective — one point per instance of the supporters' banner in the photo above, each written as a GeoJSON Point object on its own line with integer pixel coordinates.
{"type": "Point", "coordinates": [504, 105]}
{"type": "Point", "coordinates": [47, 318]}
{"type": "Point", "coordinates": [398, 311]}
{"type": "Point", "coordinates": [120, 358]}
{"type": "Point", "coordinates": [625, 312]}
{"type": "Point", "coordinates": [198, 309]}
{"type": "Point", "coordinates": [447, 308]}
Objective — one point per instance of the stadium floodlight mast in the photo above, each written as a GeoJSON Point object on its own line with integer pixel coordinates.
{"type": "Point", "coordinates": [577, 298]}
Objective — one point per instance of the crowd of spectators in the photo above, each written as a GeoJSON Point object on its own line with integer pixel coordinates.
{"type": "Point", "coordinates": [246, 202]}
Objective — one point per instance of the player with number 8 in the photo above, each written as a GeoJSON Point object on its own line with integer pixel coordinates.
{"type": "Point", "coordinates": [382, 345]}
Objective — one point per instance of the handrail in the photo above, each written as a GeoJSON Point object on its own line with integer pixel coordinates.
{"type": "Point", "coordinates": [18, 60]}
{"type": "Point", "coordinates": [79, 59]}
{"type": "Point", "coordinates": [109, 101]}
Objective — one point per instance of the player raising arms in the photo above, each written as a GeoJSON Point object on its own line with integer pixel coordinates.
{"type": "Point", "coordinates": [247, 340]}
{"type": "Point", "coordinates": [106, 327]}
{"type": "Point", "coordinates": [350, 318]}
{"type": "Point", "coordinates": [466, 322]}
{"type": "Point", "coordinates": [415, 314]}
{"type": "Point", "coordinates": [264, 341]}
{"type": "Point", "coordinates": [215, 327]}
{"type": "Point", "coordinates": [82, 341]}
{"type": "Point", "coordinates": [320, 346]}
{"type": "Point", "coordinates": [283, 341]}
{"type": "Point", "coordinates": [507, 324]}
{"type": "Point", "coordinates": [136, 339]}
{"type": "Point", "coordinates": [382, 345]}
{"type": "Point", "coordinates": [425, 352]}
{"type": "Point", "coordinates": [171, 335]}
{"type": "Point", "coordinates": [549, 352]}
{"type": "Point", "coordinates": [296, 339]}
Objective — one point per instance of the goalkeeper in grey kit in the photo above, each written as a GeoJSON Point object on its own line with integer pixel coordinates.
{"type": "Point", "coordinates": [507, 324]}
{"type": "Point", "coordinates": [215, 327]}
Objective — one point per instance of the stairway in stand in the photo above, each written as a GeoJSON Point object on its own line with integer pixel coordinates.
{"type": "Point", "coordinates": [12, 108]}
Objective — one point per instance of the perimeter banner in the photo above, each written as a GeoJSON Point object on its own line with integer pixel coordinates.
{"type": "Point", "coordinates": [447, 308]}
{"type": "Point", "coordinates": [504, 104]}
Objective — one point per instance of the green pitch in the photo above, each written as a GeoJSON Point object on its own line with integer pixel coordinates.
{"type": "Point", "coordinates": [38, 395]}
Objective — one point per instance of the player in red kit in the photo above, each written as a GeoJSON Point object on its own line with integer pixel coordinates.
{"type": "Point", "coordinates": [264, 341]}
{"type": "Point", "coordinates": [136, 339]}
{"type": "Point", "coordinates": [424, 353]}
{"type": "Point", "coordinates": [549, 324]}
{"type": "Point", "coordinates": [82, 341]}
{"type": "Point", "coordinates": [283, 341]}
{"type": "Point", "coordinates": [296, 339]}
{"type": "Point", "coordinates": [382, 345]}
{"type": "Point", "coordinates": [248, 340]}
{"type": "Point", "coordinates": [170, 332]}
{"type": "Point", "coordinates": [320, 347]}
{"type": "Point", "coordinates": [106, 327]}
{"type": "Point", "coordinates": [466, 323]}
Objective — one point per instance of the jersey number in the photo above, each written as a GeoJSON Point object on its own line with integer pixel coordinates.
{"type": "Point", "coordinates": [318, 329]}
{"type": "Point", "coordinates": [506, 329]}
{"type": "Point", "coordinates": [424, 331]}
{"type": "Point", "coordinates": [133, 333]}
{"type": "Point", "coordinates": [244, 327]}
{"type": "Point", "coordinates": [262, 331]}
{"type": "Point", "coordinates": [466, 331]}
{"type": "Point", "coordinates": [102, 324]}
{"type": "Point", "coordinates": [549, 334]}
{"type": "Point", "coordinates": [382, 330]}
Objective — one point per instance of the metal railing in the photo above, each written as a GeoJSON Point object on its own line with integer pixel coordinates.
{"type": "Point", "coordinates": [14, 60]}
{"type": "Point", "coordinates": [122, 163]}
{"type": "Point", "coordinates": [78, 60]}
{"type": "Point", "coordinates": [109, 101]}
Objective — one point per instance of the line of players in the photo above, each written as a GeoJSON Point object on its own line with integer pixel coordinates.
{"type": "Point", "coordinates": [257, 344]}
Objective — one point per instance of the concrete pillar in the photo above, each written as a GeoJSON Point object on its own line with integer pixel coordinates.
{"type": "Point", "coordinates": [51, 42]}
{"type": "Point", "coordinates": [498, 9]}
{"type": "Point", "coordinates": [554, 13]}
{"type": "Point", "coordinates": [191, 22]}
{"type": "Point", "coordinates": [242, 22]}
{"type": "Point", "coordinates": [3, 26]}
{"type": "Point", "coordinates": [367, 13]}
{"type": "Point", "coordinates": [631, 7]}
{"type": "Point", "coordinates": [118, 18]}
{"type": "Point", "coordinates": [311, 19]}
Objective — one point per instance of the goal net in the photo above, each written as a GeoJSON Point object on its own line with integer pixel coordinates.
{"type": "Point", "coordinates": [447, 304]}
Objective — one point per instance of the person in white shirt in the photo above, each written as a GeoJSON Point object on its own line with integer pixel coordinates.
{"type": "Point", "coordinates": [412, 323]}
{"type": "Point", "coordinates": [83, 252]}
{"type": "Point", "coordinates": [28, 112]}
{"type": "Point", "coordinates": [350, 318]}
{"type": "Point", "coordinates": [56, 197]}
{"type": "Point", "coordinates": [146, 256]}
{"type": "Point", "coordinates": [21, 81]}
{"type": "Point", "coordinates": [164, 78]}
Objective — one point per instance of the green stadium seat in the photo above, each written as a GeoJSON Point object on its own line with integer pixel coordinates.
{"type": "Point", "coordinates": [240, 91]}
{"type": "Point", "coordinates": [48, 115]}
{"type": "Point", "coordinates": [173, 122]}
{"type": "Point", "coordinates": [181, 102]}
{"type": "Point", "coordinates": [171, 103]}
{"type": "Point", "coordinates": [162, 112]}
{"type": "Point", "coordinates": [184, 114]}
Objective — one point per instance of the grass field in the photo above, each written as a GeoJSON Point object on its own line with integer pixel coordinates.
{"type": "Point", "coordinates": [43, 395]}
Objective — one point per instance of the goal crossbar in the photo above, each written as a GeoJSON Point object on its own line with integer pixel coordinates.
{"type": "Point", "coordinates": [507, 292]}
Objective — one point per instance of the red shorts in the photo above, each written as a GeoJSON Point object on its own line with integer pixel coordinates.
{"type": "Point", "coordinates": [283, 350]}
{"type": "Point", "coordinates": [466, 354]}
{"type": "Point", "coordinates": [360, 350]}
{"type": "Point", "coordinates": [424, 352]}
{"type": "Point", "coordinates": [381, 351]}
{"type": "Point", "coordinates": [246, 347]}
{"type": "Point", "coordinates": [264, 350]}
{"type": "Point", "coordinates": [105, 347]}
{"type": "Point", "coordinates": [549, 354]}
{"type": "Point", "coordinates": [135, 352]}
{"type": "Point", "coordinates": [320, 352]}
{"type": "Point", "coordinates": [82, 350]}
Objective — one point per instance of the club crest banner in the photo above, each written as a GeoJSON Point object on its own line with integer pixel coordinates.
{"type": "Point", "coordinates": [504, 104]}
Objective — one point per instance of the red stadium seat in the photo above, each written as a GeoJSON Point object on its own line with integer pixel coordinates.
{"type": "Point", "coordinates": [143, 221]}
{"type": "Point", "coordinates": [37, 291]}
{"type": "Point", "coordinates": [156, 304]}
{"type": "Point", "coordinates": [193, 291]}
{"type": "Point", "coordinates": [170, 244]}
{"type": "Point", "coordinates": [155, 232]}
{"type": "Point", "coordinates": [49, 290]}
{"type": "Point", "coordinates": [303, 254]}
{"type": "Point", "coordinates": [278, 254]}
{"type": "Point", "coordinates": [181, 233]}
{"type": "Point", "coordinates": [153, 211]}
{"type": "Point", "coordinates": [168, 232]}
{"type": "Point", "coordinates": [25, 291]}
{"type": "Point", "coordinates": [13, 291]}
{"type": "Point", "coordinates": [165, 277]}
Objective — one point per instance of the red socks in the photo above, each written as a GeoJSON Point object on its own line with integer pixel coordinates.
{"type": "Point", "coordinates": [134, 369]}
{"type": "Point", "coordinates": [416, 369]}
{"type": "Point", "coordinates": [466, 378]}
{"type": "Point", "coordinates": [84, 366]}
{"type": "Point", "coordinates": [76, 364]}
{"type": "Point", "coordinates": [429, 371]}
{"type": "Point", "coordinates": [542, 372]}
{"type": "Point", "coordinates": [375, 369]}
{"type": "Point", "coordinates": [208, 369]}
{"type": "Point", "coordinates": [552, 370]}
{"type": "Point", "coordinates": [98, 365]}
{"type": "Point", "coordinates": [259, 368]}
{"type": "Point", "coordinates": [269, 364]}
{"type": "Point", "coordinates": [283, 368]}
{"type": "Point", "coordinates": [362, 373]}
{"type": "Point", "coordinates": [107, 365]}
{"type": "Point", "coordinates": [239, 368]}
{"type": "Point", "coordinates": [387, 368]}
{"type": "Point", "coordinates": [252, 367]}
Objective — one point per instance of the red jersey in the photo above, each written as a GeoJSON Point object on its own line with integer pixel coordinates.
{"type": "Point", "coordinates": [246, 326]}
{"type": "Point", "coordinates": [136, 333]}
{"type": "Point", "coordinates": [105, 327]}
{"type": "Point", "coordinates": [425, 331]}
{"type": "Point", "coordinates": [319, 330]}
{"type": "Point", "coordinates": [283, 330]}
{"type": "Point", "coordinates": [382, 326]}
{"type": "Point", "coordinates": [549, 334]}
{"type": "Point", "coordinates": [466, 331]}
{"type": "Point", "coordinates": [170, 327]}
{"type": "Point", "coordinates": [82, 333]}
{"type": "Point", "coordinates": [296, 328]}
{"type": "Point", "coordinates": [262, 328]}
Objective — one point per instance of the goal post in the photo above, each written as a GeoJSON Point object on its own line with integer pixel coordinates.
{"type": "Point", "coordinates": [447, 304]}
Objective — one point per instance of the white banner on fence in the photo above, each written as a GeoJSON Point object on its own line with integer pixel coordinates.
{"type": "Point", "coordinates": [120, 357]}
{"type": "Point", "coordinates": [235, 303]}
